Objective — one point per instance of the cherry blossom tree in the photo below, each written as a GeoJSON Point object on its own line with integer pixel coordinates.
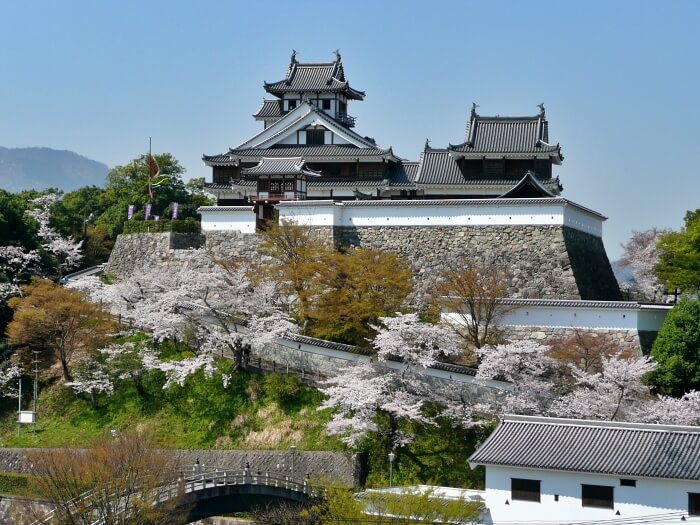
{"type": "Point", "coordinates": [9, 373]}
{"type": "Point", "coordinates": [129, 361]}
{"type": "Point", "coordinates": [216, 310]}
{"type": "Point", "coordinates": [533, 376]}
{"type": "Point", "coordinates": [91, 377]}
{"type": "Point", "coordinates": [65, 249]}
{"type": "Point", "coordinates": [614, 393]}
{"type": "Point", "coordinates": [641, 254]}
{"type": "Point", "coordinates": [394, 385]}
{"type": "Point", "coordinates": [612, 390]}
{"type": "Point", "coordinates": [672, 410]}
{"type": "Point", "coordinates": [17, 264]}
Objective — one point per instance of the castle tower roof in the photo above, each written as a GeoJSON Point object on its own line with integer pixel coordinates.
{"type": "Point", "coordinates": [314, 77]}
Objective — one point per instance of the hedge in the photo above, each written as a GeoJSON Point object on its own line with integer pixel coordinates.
{"type": "Point", "coordinates": [163, 225]}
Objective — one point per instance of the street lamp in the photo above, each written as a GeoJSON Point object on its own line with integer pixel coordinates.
{"type": "Point", "coordinates": [293, 448]}
{"type": "Point", "coordinates": [392, 457]}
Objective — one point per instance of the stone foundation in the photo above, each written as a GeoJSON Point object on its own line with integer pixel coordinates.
{"type": "Point", "coordinates": [622, 340]}
{"type": "Point", "coordinates": [546, 262]}
{"type": "Point", "coordinates": [162, 250]}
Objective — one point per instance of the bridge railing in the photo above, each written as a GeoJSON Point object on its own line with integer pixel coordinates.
{"type": "Point", "coordinates": [193, 478]}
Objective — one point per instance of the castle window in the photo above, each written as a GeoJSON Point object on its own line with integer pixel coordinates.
{"type": "Point", "coordinates": [694, 503]}
{"type": "Point", "coordinates": [291, 104]}
{"type": "Point", "coordinates": [525, 489]}
{"type": "Point", "coordinates": [600, 496]}
{"type": "Point", "coordinates": [315, 136]}
{"type": "Point", "coordinates": [326, 103]}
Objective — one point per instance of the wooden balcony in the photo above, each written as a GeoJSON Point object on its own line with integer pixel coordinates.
{"type": "Point", "coordinates": [278, 196]}
{"type": "Point", "coordinates": [345, 119]}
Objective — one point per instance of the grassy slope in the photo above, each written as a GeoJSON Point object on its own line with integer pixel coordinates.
{"type": "Point", "coordinates": [249, 414]}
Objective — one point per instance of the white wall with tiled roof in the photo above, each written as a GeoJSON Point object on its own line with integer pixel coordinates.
{"type": "Point", "coordinates": [475, 212]}
{"type": "Point", "coordinates": [582, 315]}
{"type": "Point", "coordinates": [560, 498]}
{"type": "Point", "coordinates": [227, 218]}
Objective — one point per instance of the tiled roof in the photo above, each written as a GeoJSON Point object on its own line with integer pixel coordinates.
{"type": "Point", "coordinates": [309, 153]}
{"type": "Point", "coordinates": [619, 449]}
{"type": "Point", "coordinates": [269, 109]}
{"type": "Point", "coordinates": [280, 166]}
{"type": "Point", "coordinates": [314, 77]}
{"type": "Point", "coordinates": [238, 182]}
{"type": "Point", "coordinates": [508, 136]}
{"type": "Point", "coordinates": [530, 186]}
{"type": "Point", "coordinates": [346, 183]}
{"type": "Point", "coordinates": [438, 167]}
{"type": "Point", "coordinates": [571, 303]}
{"type": "Point", "coordinates": [301, 116]}
{"type": "Point", "coordinates": [403, 175]}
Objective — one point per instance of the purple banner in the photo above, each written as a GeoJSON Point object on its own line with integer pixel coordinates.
{"type": "Point", "coordinates": [156, 217]}
{"type": "Point", "coordinates": [174, 210]}
{"type": "Point", "coordinates": [148, 210]}
{"type": "Point", "coordinates": [130, 212]}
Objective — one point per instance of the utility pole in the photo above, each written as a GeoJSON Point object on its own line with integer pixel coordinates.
{"type": "Point", "coordinates": [36, 384]}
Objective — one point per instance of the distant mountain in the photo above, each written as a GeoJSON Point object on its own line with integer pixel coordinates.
{"type": "Point", "coordinates": [41, 168]}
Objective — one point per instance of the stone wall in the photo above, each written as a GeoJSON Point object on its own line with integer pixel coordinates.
{"type": "Point", "coordinates": [16, 510]}
{"type": "Point", "coordinates": [623, 340]}
{"type": "Point", "coordinates": [549, 262]}
{"type": "Point", "coordinates": [162, 250]}
{"type": "Point", "coordinates": [546, 262]}
{"type": "Point", "coordinates": [341, 467]}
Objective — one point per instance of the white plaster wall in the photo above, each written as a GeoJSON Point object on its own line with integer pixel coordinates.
{"type": "Point", "coordinates": [228, 218]}
{"type": "Point", "coordinates": [460, 215]}
{"type": "Point", "coordinates": [320, 213]}
{"type": "Point", "coordinates": [649, 497]}
{"type": "Point", "coordinates": [651, 318]}
{"type": "Point", "coordinates": [580, 220]}
{"type": "Point", "coordinates": [559, 317]}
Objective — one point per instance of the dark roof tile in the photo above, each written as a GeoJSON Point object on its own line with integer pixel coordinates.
{"type": "Point", "coordinates": [269, 109]}
{"type": "Point", "coordinates": [314, 77]}
{"type": "Point", "coordinates": [508, 136]}
{"type": "Point", "coordinates": [280, 166]}
{"type": "Point", "coordinates": [597, 447]}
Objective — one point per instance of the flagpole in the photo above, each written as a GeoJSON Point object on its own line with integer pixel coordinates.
{"type": "Point", "coordinates": [150, 156]}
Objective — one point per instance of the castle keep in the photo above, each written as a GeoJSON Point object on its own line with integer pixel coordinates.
{"type": "Point", "coordinates": [492, 196]}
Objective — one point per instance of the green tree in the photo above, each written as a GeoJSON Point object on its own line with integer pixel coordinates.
{"type": "Point", "coordinates": [77, 210]}
{"type": "Point", "coordinates": [128, 184]}
{"type": "Point", "coordinates": [677, 350]}
{"type": "Point", "coordinates": [679, 256]}
{"type": "Point", "coordinates": [358, 288]}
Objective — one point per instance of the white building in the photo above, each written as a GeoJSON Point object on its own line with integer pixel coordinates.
{"type": "Point", "coordinates": [549, 470]}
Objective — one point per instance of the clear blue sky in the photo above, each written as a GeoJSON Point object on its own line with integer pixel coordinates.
{"type": "Point", "coordinates": [620, 81]}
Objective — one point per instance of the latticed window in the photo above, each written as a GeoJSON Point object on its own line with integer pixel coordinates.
{"type": "Point", "coordinates": [315, 136]}
{"type": "Point", "coordinates": [600, 496]}
{"type": "Point", "coordinates": [525, 489]}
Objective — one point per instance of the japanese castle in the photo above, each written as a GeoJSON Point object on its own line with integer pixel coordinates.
{"type": "Point", "coordinates": [308, 149]}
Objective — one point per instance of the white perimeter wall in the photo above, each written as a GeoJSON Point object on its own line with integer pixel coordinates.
{"type": "Point", "coordinates": [456, 213]}
{"type": "Point", "coordinates": [649, 497]}
{"type": "Point", "coordinates": [642, 318]}
{"type": "Point", "coordinates": [227, 218]}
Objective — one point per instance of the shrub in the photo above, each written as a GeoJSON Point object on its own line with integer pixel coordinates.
{"type": "Point", "coordinates": [281, 388]}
